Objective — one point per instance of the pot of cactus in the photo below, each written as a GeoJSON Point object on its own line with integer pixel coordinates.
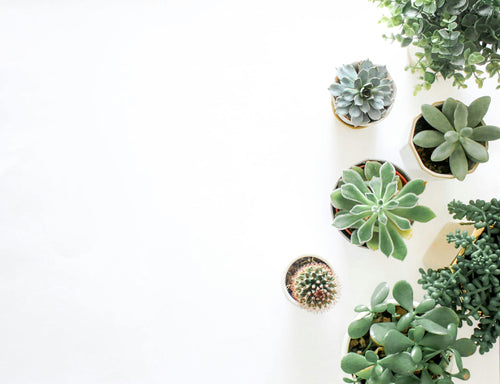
{"type": "Point", "coordinates": [362, 93]}
{"type": "Point", "coordinates": [455, 39]}
{"type": "Point", "coordinates": [402, 341]}
{"type": "Point", "coordinates": [375, 205]}
{"type": "Point", "coordinates": [471, 285]}
{"type": "Point", "coordinates": [450, 139]}
{"type": "Point", "coordinates": [311, 283]}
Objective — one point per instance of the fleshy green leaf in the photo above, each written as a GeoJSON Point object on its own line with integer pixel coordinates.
{"type": "Point", "coordinates": [474, 150]}
{"type": "Point", "coordinates": [400, 250]}
{"type": "Point", "coordinates": [403, 294]}
{"type": "Point", "coordinates": [448, 109]}
{"type": "Point", "coordinates": [352, 363]}
{"type": "Point", "coordinates": [351, 192]}
{"type": "Point", "coordinates": [416, 186]}
{"type": "Point", "coordinates": [428, 138]}
{"type": "Point", "coordinates": [458, 163]}
{"type": "Point", "coordinates": [419, 213]}
{"type": "Point", "coordinates": [443, 151]}
{"type": "Point", "coordinates": [385, 242]}
{"type": "Point", "coordinates": [436, 119]}
{"type": "Point", "coordinates": [365, 232]}
{"type": "Point", "coordinates": [486, 133]}
{"type": "Point", "coordinates": [477, 110]}
{"type": "Point", "coordinates": [395, 342]}
{"type": "Point", "coordinates": [340, 202]}
{"type": "Point", "coordinates": [460, 117]}
{"type": "Point", "coordinates": [358, 328]}
{"type": "Point", "coordinates": [379, 294]}
{"type": "Point", "coordinates": [465, 347]}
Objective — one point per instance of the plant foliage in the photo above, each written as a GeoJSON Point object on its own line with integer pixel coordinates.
{"type": "Point", "coordinates": [459, 39]}
{"type": "Point", "coordinates": [404, 343]}
{"type": "Point", "coordinates": [314, 286]}
{"type": "Point", "coordinates": [471, 287]}
{"type": "Point", "coordinates": [372, 202]}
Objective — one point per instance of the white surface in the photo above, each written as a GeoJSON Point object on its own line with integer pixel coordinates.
{"type": "Point", "coordinates": [161, 164]}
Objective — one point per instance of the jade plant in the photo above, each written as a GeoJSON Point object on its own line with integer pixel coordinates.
{"type": "Point", "coordinates": [471, 286]}
{"type": "Point", "coordinates": [314, 286]}
{"type": "Point", "coordinates": [404, 342]}
{"type": "Point", "coordinates": [378, 210]}
{"type": "Point", "coordinates": [457, 133]}
{"type": "Point", "coordinates": [459, 39]}
{"type": "Point", "coordinates": [362, 92]}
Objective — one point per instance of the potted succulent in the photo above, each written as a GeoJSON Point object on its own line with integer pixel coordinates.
{"type": "Point", "coordinates": [311, 283]}
{"type": "Point", "coordinates": [362, 93]}
{"type": "Point", "coordinates": [458, 39]}
{"type": "Point", "coordinates": [376, 205]}
{"type": "Point", "coordinates": [449, 139]}
{"type": "Point", "coordinates": [404, 342]}
{"type": "Point", "coordinates": [471, 285]}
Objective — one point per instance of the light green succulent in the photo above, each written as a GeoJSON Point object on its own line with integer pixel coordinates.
{"type": "Point", "coordinates": [458, 133]}
{"type": "Point", "coordinates": [371, 203]}
{"type": "Point", "coordinates": [363, 92]}
{"type": "Point", "coordinates": [405, 342]}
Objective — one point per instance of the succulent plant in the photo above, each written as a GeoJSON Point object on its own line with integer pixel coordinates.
{"type": "Point", "coordinates": [458, 133]}
{"type": "Point", "coordinates": [404, 342]}
{"type": "Point", "coordinates": [314, 286]}
{"type": "Point", "coordinates": [362, 92]}
{"type": "Point", "coordinates": [379, 210]}
{"type": "Point", "coordinates": [471, 286]}
{"type": "Point", "coordinates": [459, 38]}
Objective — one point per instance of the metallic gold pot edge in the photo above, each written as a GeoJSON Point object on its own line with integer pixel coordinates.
{"type": "Point", "coordinates": [476, 233]}
{"type": "Point", "coordinates": [419, 160]}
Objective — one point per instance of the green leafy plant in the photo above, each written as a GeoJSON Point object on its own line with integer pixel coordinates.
{"type": "Point", "coordinates": [373, 203]}
{"type": "Point", "coordinates": [459, 39]}
{"type": "Point", "coordinates": [362, 92]}
{"type": "Point", "coordinates": [314, 286]}
{"type": "Point", "coordinates": [471, 286]}
{"type": "Point", "coordinates": [404, 342]}
{"type": "Point", "coordinates": [457, 134]}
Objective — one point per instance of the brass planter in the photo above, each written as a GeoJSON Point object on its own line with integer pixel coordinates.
{"type": "Point", "coordinates": [417, 156]}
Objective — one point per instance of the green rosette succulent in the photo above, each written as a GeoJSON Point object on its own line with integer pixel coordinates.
{"type": "Point", "coordinates": [362, 93]}
{"type": "Point", "coordinates": [459, 39]}
{"type": "Point", "coordinates": [458, 133]}
{"type": "Point", "coordinates": [471, 286]}
{"type": "Point", "coordinates": [379, 211]}
{"type": "Point", "coordinates": [404, 342]}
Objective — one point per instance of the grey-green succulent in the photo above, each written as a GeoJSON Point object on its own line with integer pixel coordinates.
{"type": "Point", "coordinates": [362, 92]}
{"type": "Point", "coordinates": [457, 134]}
{"type": "Point", "coordinates": [379, 211]}
{"type": "Point", "coordinates": [404, 342]}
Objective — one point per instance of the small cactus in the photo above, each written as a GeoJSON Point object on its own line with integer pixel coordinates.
{"type": "Point", "coordinates": [314, 286]}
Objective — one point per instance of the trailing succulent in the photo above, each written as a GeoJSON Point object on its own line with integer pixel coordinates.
{"type": "Point", "coordinates": [373, 203]}
{"type": "Point", "coordinates": [458, 133]}
{"type": "Point", "coordinates": [314, 286]}
{"type": "Point", "coordinates": [404, 343]}
{"type": "Point", "coordinates": [471, 287]}
{"type": "Point", "coordinates": [362, 92]}
{"type": "Point", "coordinates": [459, 39]}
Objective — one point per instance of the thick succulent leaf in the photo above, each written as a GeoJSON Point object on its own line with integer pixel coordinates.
{"type": "Point", "coordinates": [353, 362]}
{"type": "Point", "coordinates": [387, 173]}
{"type": "Point", "coordinates": [378, 331]}
{"type": "Point", "coordinates": [436, 118]}
{"type": "Point", "coordinates": [425, 306]}
{"type": "Point", "coordinates": [390, 190]}
{"type": "Point", "coordinates": [361, 208]}
{"type": "Point", "coordinates": [372, 168]}
{"type": "Point", "coordinates": [431, 327]}
{"type": "Point", "coordinates": [340, 202]}
{"type": "Point", "coordinates": [385, 242]}
{"type": "Point", "coordinates": [400, 222]}
{"type": "Point", "coordinates": [382, 218]}
{"type": "Point", "coordinates": [460, 117]}
{"type": "Point", "coordinates": [352, 177]}
{"type": "Point", "coordinates": [358, 328]}
{"type": "Point", "coordinates": [426, 378]}
{"type": "Point", "coordinates": [436, 341]}
{"type": "Point", "coordinates": [395, 341]}
{"type": "Point", "coordinates": [419, 213]}
{"type": "Point", "coordinates": [347, 71]}
{"type": "Point", "coordinates": [336, 89]}
{"type": "Point", "coordinates": [373, 243]}
{"type": "Point", "coordinates": [416, 186]}
{"type": "Point", "coordinates": [458, 163]}
{"type": "Point", "coordinates": [351, 192]}
{"type": "Point", "coordinates": [486, 133]}
{"type": "Point", "coordinates": [376, 186]}
{"type": "Point", "coordinates": [442, 316]}
{"type": "Point", "coordinates": [428, 138]}
{"type": "Point", "coordinates": [453, 136]}
{"type": "Point", "coordinates": [400, 363]}
{"type": "Point", "coordinates": [443, 151]}
{"type": "Point", "coordinates": [379, 294]}
{"type": "Point", "coordinates": [477, 110]}
{"type": "Point", "coordinates": [403, 294]}
{"type": "Point", "coordinates": [354, 111]}
{"type": "Point", "coordinates": [346, 220]}
{"type": "Point", "coordinates": [354, 236]}
{"type": "Point", "coordinates": [375, 114]}
{"type": "Point", "coordinates": [400, 250]}
{"type": "Point", "coordinates": [365, 232]}
{"type": "Point", "coordinates": [448, 109]}
{"type": "Point", "coordinates": [474, 150]}
{"type": "Point", "coordinates": [465, 347]}
{"type": "Point", "coordinates": [409, 200]}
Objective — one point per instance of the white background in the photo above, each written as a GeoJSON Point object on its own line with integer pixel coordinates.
{"type": "Point", "coordinates": [161, 164]}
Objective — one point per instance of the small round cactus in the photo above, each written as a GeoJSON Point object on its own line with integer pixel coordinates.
{"type": "Point", "coordinates": [314, 286]}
